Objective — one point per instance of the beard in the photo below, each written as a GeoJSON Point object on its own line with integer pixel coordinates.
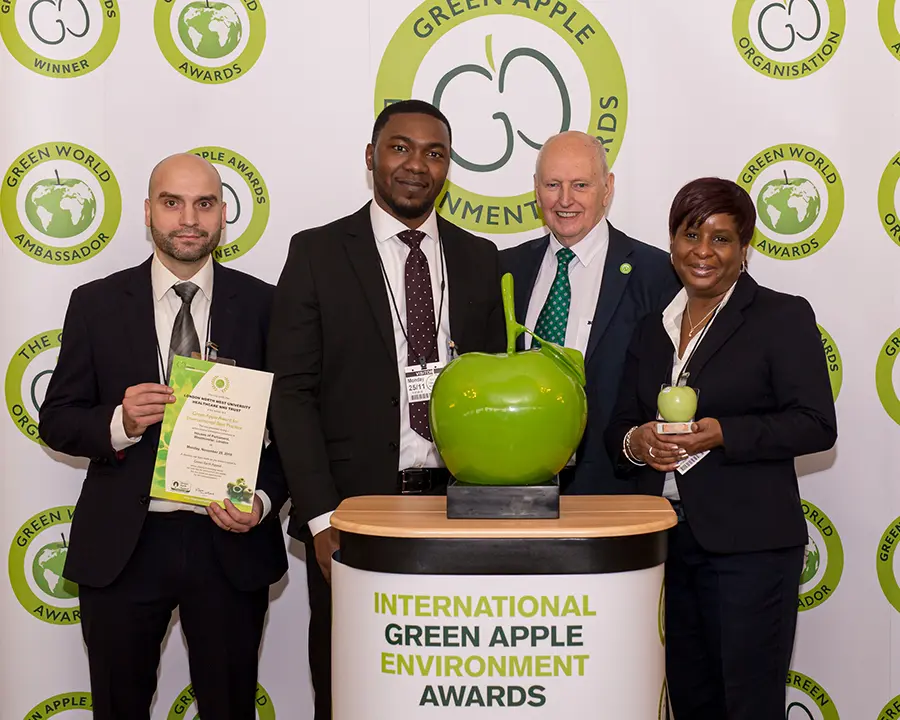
{"type": "Point", "coordinates": [406, 208]}
{"type": "Point", "coordinates": [167, 244]}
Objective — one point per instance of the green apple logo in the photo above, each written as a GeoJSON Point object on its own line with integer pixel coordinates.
{"type": "Point", "coordinates": [61, 208]}
{"type": "Point", "coordinates": [812, 559]}
{"type": "Point", "coordinates": [211, 29]}
{"type": "Point", "coordinates": [788, 206]}
{"type": "Point", "coordinates": [509, 419]}
{"type": "Point", "coordinates": [791, 715]}
{"type": "Point", "coordinates": [63, 28]}
{"type": "Point", "coordinates": [807, 9]}
{"type": "Point", "coordinates": [677, 404]}
{"type": "Point", "coordinates": [502, 116]}
{"type": "Point", "coordinates": [47, 571]}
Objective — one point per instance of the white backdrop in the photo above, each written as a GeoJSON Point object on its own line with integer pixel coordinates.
{"type": "Point", "coordinates": [282, 93]}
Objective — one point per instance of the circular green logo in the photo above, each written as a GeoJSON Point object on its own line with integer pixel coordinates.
{"type": "Point", "coordinates": [884, 380]}
{"type": "Point", "coordinates": [36, 560]}
{"type": "Point", "coordinates": [664, 713]}
{"type": "Point", "coordinates": [247, 197]}
{"type": "Point", "coordinates": [60, 191]}
{"type": "Point", "coordinates": [891, 710]}
{"type": "Point", "coordinates": [185, 706]}
{"type": "Point", "coordinates": [60, 42]}
{"type": "Point", "coordinates": [833, 359]}
{"type": "Point", "coordinates": [788, 39]}
{"type": "Point", "coordinates": [888, 11]}
{"type": "Point", "coordinates": [529, 72]}
{"type": "Point", "coordinates": [887, 577]}
{"type": "Point", "coordinates": [799, 197]}
{"type": "Point", "coordinates": [59, 704]}
{"type": "Point", "coordinates": [27, 376]}
{"type": "Point", "coordinates": [208, 41]}
{"type": "Point", "coordinates": [625, 268]}
{"type": "Point", "coordinates": [887, 199]}
{"type": "Point", "coordinates": [821, 575]}
{"type": "Point", "coordinates": [807, 700]}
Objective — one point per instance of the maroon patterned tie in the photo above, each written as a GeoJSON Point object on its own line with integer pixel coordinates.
{"type": "Point", "coordinates": [420, 328]}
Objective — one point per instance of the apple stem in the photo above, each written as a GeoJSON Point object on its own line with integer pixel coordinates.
{"type": "Point", "coordinates": [63, 536]}
{"type": "Point", "coordinates": [786, 181]}
{"type": "Point", "coordinates": [58, 181]}
{"type": "Point", "coordinates": [513, 329]}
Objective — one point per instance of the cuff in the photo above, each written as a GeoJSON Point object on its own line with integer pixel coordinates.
{"type": "Point", "coordinates": [266, 503]}
{"type": "Point", "coordinates": [117, 435]}
{"type": "Point", "coordinates": [320, 523]}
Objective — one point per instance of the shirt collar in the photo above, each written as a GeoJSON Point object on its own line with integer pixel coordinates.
{"type": "Point", "coordinates": [163, 279]}
{"type": "Point", "coordinates": [385, 226]}
{"type": "Point", "coordinates": [588, 248]}
{"type": "Point", "coordinates": [674, 310]}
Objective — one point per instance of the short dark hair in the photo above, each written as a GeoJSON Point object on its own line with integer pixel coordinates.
{"type": "Point", "coordinates": [408, 107]}
{"type": "Point", "coordinates": [703, 197]}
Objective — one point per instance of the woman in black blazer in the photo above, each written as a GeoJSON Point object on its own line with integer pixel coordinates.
{"type": "Point", "coordinates": [735, 558]}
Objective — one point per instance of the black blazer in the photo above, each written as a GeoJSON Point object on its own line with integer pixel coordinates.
{"type": "Point", "coordinates": [335, 402]}
{"type": "Point", "coordinates": [109, 344]}
{"type": "Point", "coordinates": [624, 299]}
{"type": "Point", "coordinates": [762, 374]}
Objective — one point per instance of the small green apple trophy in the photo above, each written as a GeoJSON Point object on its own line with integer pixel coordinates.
{"type": "Point", "coordinates": [506, 424]}
{"type": "Point", "coordinates": [676, 405]}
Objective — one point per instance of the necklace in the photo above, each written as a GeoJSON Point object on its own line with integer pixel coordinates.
{"type": "Point", "coordinates": [694, 328]}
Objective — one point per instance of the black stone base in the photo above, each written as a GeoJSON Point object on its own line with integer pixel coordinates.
{"type": "Point", "coordinates": [503, 502]}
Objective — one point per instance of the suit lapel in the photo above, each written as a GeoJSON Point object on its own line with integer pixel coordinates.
{"type": "Point", "coordinates": [727, 321]}
{"type": "Point", "coordinates": [612, 287]}
{"type": "Point", "coordinates": [531, 268]}
{"type": "Point", "coordinates": [223, 314]}
{"type": "Point", "coordinates": [359, 242]}
{"type": "Point", "coordinates": [140, 346]}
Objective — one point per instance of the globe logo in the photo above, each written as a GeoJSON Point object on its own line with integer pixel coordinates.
{"type": "Point", "coordinates": [210, 29]}
{"type": "Point", "coordinates": [789, 206]}
{"type": "Point", "coordinates": [811, 561]}
{"type": "Point", "coordinates": [47, 571]}
{"type": "Point", "coordinates": [61, 207]}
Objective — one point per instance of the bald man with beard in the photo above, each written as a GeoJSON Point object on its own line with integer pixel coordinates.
{"type": "Point", "coordinates": [586, 285]}
{"type": "Point", "coordinates": [134, 558]}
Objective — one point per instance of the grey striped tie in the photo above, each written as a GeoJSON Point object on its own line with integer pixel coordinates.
{"type": "Point", "coordinates": [184, 335]}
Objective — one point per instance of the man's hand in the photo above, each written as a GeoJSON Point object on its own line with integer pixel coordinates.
{"type": "Point", "coordinates": [326, 544]}
{"type": "Point", "coordinates": [143, 406]}
{"type": "Point", "coordinates": [234, 520]}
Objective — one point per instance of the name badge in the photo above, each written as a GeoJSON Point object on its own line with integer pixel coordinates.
{"type": "Point", "coordinates": [420, 381]}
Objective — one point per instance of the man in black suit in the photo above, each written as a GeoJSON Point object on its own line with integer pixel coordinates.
{"type": "Point", "coordinates": [137, 559]}
{"type": "Point", "coordinates": [585, 285]}
{"type": "Point", "coordinates": [361, 302]}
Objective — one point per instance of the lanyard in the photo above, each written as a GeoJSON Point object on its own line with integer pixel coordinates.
{"type": "Point", "coordinates": [434, 351]}
{"type": "Point", "coordinates": [696, 344]}
{"type": "Point", "coordinates": [206, 346]}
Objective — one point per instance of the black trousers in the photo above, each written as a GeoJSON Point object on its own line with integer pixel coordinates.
{"type": "Point", "coordinates": [730, 622]}
{"type": "Point", "coordinates": [319, 634]}
{"type": "Point", "coordinates": [174, 565]}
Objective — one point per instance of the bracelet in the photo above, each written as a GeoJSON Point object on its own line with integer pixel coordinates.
{"type": "Point", "coordinates": [627, 450]}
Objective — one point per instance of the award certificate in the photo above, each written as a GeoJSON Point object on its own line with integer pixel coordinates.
{"type": "Point", "coordinates": [212, 435]}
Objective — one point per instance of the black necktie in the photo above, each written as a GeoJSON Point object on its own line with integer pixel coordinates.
{"type": "Point", "coordinates": [420, 327]}
{"type": "Point", "coordinates": [184, 335]}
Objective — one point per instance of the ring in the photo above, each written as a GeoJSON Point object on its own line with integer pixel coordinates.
{"type": "Point", "coordinates": [650, 452]}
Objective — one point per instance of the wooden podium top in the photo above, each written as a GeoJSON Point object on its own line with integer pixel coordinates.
{"type": "Point", "coordinates": [580, 516]}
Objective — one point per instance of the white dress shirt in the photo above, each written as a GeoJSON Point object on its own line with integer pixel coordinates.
{"type": "Point", "coordinates": [166, 305]}
{"type": "Point", "coordinates": [672, 317]}
{"type": "Point", "coordinates": [415, 451]}
{"type": "Point", "coordinates": [585, 277]}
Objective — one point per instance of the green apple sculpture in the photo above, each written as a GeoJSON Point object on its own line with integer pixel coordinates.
{"type": "Point", "coordinates": [677, 403]}
{"type": "Point", "coordinates": [509, 419]}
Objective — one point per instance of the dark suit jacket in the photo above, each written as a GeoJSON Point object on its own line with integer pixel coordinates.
{"type": "Point", "coordinates": [109, 344]}
{"type": "Point", "coordinates": [335, 402]}
{"type": "Point", "coordinates": [762, 374]}
{"type": "Point", "coordinates": [624, 299]}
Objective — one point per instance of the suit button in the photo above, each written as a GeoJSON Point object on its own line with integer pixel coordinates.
{"type": "Point", "coordinates": [145, 499]}
{"type": "Point", "coordinates": [395, 401]}
{"type": "Point", "coordinates": [393, 447]}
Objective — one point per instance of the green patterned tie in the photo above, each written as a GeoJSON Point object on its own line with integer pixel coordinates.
{"type": "Point", "coordinates": [554, 317]}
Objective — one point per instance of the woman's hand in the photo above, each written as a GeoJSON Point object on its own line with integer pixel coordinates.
{"type": "Point", "coordinates": [658, 451]}
{"type": "Point", "coordinates": [706, 434]}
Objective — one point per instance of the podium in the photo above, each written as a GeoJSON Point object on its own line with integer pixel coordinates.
{"type": "Point", "coordinates": [561, 618]}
